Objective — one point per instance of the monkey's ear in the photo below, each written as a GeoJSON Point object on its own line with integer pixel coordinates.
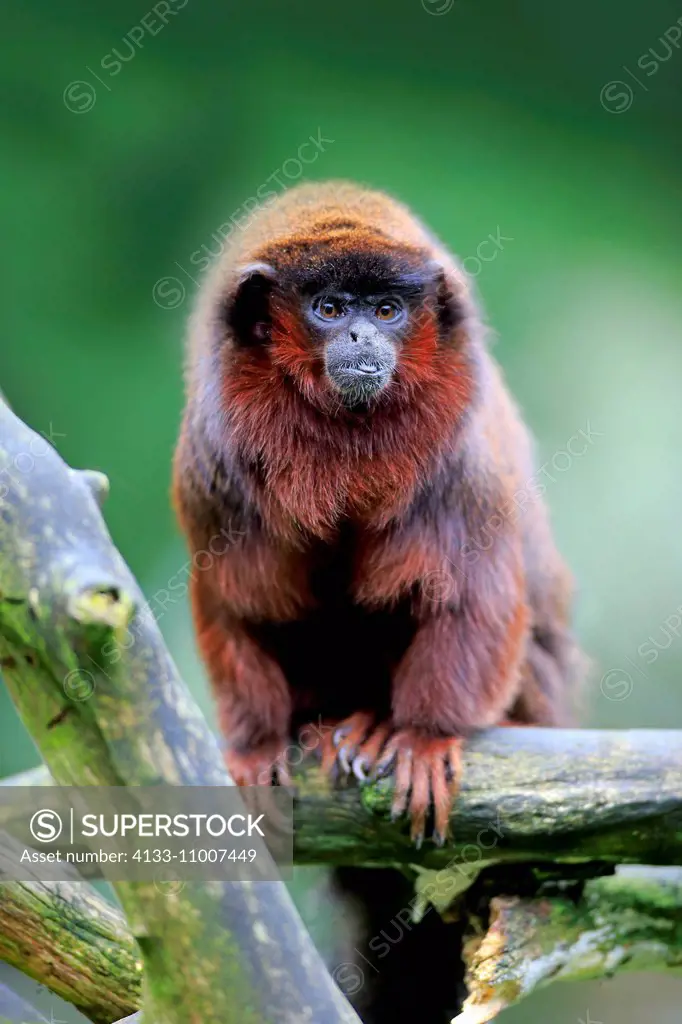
{"type": "Point", "coordinates": [247, 311]}
{"type": "Point", "coordinates": [450, 302]}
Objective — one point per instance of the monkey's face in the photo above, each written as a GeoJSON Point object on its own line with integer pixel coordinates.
{"type": "Point", "coordinates": [359, 336]}
{"type": "Point", "coordinates": [342, 328]}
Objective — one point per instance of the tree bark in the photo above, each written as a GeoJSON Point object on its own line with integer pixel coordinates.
{"type": "Point", "coordinates": [74, 942]}
{"type": "Point", "coordinates": [95, 686]}
{"type": "Point", "coordinates": [631, 921]}
{"type": "Point", "coordinates": [527, 794]}
{"type": "Point", "coordinates": [81, 948]}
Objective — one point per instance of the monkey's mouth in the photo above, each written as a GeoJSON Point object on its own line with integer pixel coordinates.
{"type": "Point", "coordinates": [358, 383]}
{"type": "Point", "coordinates": [361, 370]}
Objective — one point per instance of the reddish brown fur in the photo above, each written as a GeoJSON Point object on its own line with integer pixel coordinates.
{"type": "Point", "coordinates": [322, 606]}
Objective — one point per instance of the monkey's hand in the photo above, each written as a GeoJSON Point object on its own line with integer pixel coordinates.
{"type": "Point", "coordinates": [263, 765]}
{"type": "Point", "coordinates": [426, 768]}
{"type": "Point", "coordinates": [341, 743]}
{"type": "Point", "coordinates": [426, 772]}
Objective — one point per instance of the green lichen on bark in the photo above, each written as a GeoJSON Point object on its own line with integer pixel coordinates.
{"type": "Point", "coordinates": [92, 680]}
{"type": "Point", "coordinates": [67, 937]}
{"type": "Point", "coordinates": [556, 795]}
{"type": "Point", "coordinates": [631, 921]}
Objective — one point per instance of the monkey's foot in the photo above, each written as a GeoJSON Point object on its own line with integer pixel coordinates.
{"type": "Point", "coordinates": [427, 773]}
{"type": "Point", "coordinates": [265, 765]}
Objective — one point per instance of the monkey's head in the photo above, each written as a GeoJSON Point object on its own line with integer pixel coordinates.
{"type": "Point", "coordinates": [344, 294]}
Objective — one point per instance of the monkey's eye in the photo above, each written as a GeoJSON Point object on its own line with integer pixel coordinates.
{"type": "Point", "coordinates": [328, 308]}
{"type": "Point", "coordinates": [388, 311]}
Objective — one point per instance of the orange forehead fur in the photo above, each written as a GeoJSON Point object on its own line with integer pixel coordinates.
{"type": "Point", "coordinates": [347, 213]}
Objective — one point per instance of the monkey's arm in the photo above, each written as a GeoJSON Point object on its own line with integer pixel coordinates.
{"type": "Point", "coordinates": [252, 695]}
{"type": "Point", "coordinates": [240, 579]}
{"type": "Point", "coordinates": [462, 670]}
{"type": "Point", "coordinates": [460, 673]}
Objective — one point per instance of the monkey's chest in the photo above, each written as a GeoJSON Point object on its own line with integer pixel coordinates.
{"type": "Point", "coordinates": [338, 659]}
{"type": "Point", "coordinates": [338, 655]}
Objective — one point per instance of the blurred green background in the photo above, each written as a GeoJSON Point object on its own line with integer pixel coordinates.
{"type": "Point", "coordinates": [131, 135]}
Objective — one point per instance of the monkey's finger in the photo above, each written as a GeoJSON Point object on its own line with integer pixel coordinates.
{"type": "Point", "coordinates": [454, 764]}
{"type": "Point", "coordinates": [349, 736]}
{"type": "Point", "coordinates": [354, 728]}
{"type": "Point", "coordinates": [442, 803]}
{"type": "Point", "coordinates": [385, 764]}
{"type": "Point", "coordinates": [420, 800]}
{"type": "Point", "coordinates": [345, 754]}
{"type": "Point", "coordinates": [369, 752]}
{"type": "Point", "coordinates": [403, 782]}
{"type": "Point", "coordinates": [282, 774]}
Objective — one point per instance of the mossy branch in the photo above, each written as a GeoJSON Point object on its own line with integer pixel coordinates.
{"type": "Point", "coordinates": [527, 795]}
{"type": "Point", "coordinates": [70, 939]}
{"type": "Point", "coordinates": [234, 953]}
{"type": "Point", "coordinates": [631, 921]}
{"type": "Point", "coordinates": [82, 949]}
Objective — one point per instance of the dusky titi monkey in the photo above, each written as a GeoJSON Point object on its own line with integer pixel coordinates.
{"type": "Point", "coordinates": [391, 571]}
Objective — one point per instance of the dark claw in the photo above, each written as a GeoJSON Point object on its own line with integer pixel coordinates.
{"type": "Point", "coordinates": [418, 840]}
{"type": "Point", "coordinates": [439, 838]}
{"type": "Point", "coordinates": [383, 768]}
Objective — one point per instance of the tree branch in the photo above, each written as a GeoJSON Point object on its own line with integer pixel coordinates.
{"type": "Point", "coordinates": [625, 922]}
{"type": "Point", "coordinates": [631, 921]}
{"type": "Point", "coordinates": [73, 941]}
{"type": "Point", "coordinates": [527, 794]}
{"type": "Point", "coordinates": [213, 951]}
